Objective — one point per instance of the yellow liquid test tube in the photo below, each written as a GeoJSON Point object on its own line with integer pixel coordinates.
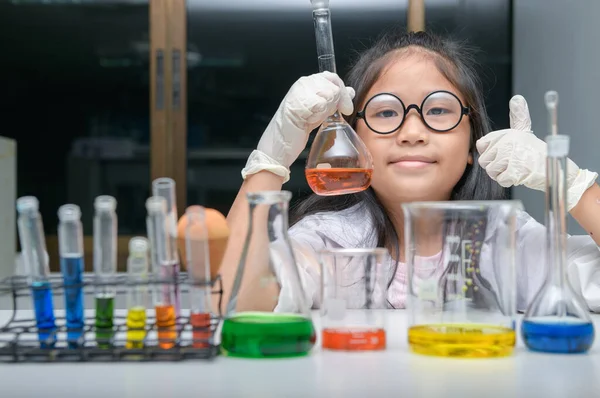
{"type": "Point", "coordinates": [136, 327]}
{"type": "Point", "coordinates": [137, 299]}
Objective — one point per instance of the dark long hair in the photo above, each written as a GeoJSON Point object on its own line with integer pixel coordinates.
{"type": "Point", "coordinates": [456, 61]}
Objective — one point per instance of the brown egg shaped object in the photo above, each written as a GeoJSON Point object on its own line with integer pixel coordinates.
{"type": "Point", "coordinates": [218, 235]}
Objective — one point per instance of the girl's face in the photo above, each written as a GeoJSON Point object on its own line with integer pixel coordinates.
{"type": "Point", "coordinates": [415, 162]}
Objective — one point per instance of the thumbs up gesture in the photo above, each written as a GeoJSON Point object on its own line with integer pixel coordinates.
{"type": "Point", "coordinates": [515, 156]}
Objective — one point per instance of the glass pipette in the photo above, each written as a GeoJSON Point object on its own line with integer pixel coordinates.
{"type": "Point", "coordinates": [198, 265]}
{"type": "Point", "coordinates": [162, 269]}
{"type": "Point", "coordinates": [137, 301]}
{"type": "Point", "coordinates": [557, 319]}
{"type": "Point", "coordinates": [105, 265]}
{"type": "Point", "coordinates": [70, 247]}
{"type": "Point", "coordinates": [35, 258]}
{"type": "Point", "coordinates": [551, 100]}
{"type": "Point", "coordinates": [165, 187]}
{"type": "Point", "coordinates": [339, 162]}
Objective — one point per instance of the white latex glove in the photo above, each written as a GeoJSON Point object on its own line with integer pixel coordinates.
{"type": "Point", "coordinates": [516, 156]}
{"type": "Point", "coordinates": [307, 104]}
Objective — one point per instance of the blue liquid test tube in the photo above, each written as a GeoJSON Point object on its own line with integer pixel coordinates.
{"type": "Point", "coordinates": [35, 257]}
{"type": "Point", "coordinates": [70, 247]}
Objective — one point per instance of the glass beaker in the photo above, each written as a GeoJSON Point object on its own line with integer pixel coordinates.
{"type": "Point", "coordinates": [460, 258]}
{"type": "Point", "coordinates": [354, 298]}
{"type": "Point", "coordinates": [267, 314]}
{"type": "Point", "coordinates": [339, 162]}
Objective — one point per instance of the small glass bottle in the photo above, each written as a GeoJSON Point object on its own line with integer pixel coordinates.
{"type": "Point", "coordinates": [354, 298]}
{"type": "Point", "coordinates": [267, 314]}
{"type": "Point", "coordinates": [557, 319]}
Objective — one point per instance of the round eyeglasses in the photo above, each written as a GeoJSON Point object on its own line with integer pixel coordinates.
{"type": "Point", "coordinates": [441, 111]}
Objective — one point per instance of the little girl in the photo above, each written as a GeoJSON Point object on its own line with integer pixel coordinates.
{"type": "Point", "coordinates": [419, 109]}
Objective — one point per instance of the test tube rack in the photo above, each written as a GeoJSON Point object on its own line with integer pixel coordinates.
{"type": "Point", "coordinates": [19, 341]}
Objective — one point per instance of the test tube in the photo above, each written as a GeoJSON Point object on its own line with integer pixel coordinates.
{"type": "Point", "coordinates": [165, 187]}
{"type": "Point", "coordinates": [105, 266]}
{"type": "Point", "coordinates": [35, 258]}
{"type": "Point", "coordinates": [137, 273]}
{"type": "Point", "coordinates": [70, 247]}
{"type": "Point", "coordinates": [198, 266]}
{"type": "Point", "coordinates": [156, 207]}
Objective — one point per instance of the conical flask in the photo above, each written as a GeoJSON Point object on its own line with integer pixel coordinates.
{"type": "Point", "coordinates": [339, 162]}
{"type": "Point", "coordinates": [557, 319]}
{"type": "Point", "coordinates": [267, 314]}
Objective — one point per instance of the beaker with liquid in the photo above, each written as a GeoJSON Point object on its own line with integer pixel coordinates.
{"type": "Point", "coordinates": [354, 298]}
{"type": "Point", "coordinates": [460, 258]}
{"type": "Point", "coordinates": [557, 320]}
{"type": "Point", "coordinates": [339, 162]}
{"type": "Point", "coordinates": [267, 313]}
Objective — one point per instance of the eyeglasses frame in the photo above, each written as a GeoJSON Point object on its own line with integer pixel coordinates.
{"type": "Point", "coordinates": [465, 110]}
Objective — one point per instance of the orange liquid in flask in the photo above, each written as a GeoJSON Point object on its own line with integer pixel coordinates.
{"type": "Point", "coordinates": [354, 339]}
{"type": "Point", "coordinates": [338, 181]}
{"type": "Point", "coordinates": [165, 322]}
{"type": "Point", "coordinates": [201, 329]}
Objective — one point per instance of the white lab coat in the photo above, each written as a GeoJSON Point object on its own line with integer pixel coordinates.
{"type": "Point", "coordinates": [352, 228]}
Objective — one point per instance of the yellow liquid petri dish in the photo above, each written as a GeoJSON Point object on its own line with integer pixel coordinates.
{"type": "Point", "coordinates": [462, 340]}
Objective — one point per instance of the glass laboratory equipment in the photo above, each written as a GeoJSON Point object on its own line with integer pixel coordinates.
{"type": "Point", "coordinates": [460, 260]}
{"type": "Point", "coordinates": [339, 162]}
{"type": "Point", "coordinates": [35, 258]}
{"type": "Point", "coordinates": [137, 292]}
{"type": "Point", "coordinates": [70, 247]}
{"type": "Point", "coordinates": [267, 313]}
{"type": "Point", "coordinates": [105, 266]}
{"type": "Point", "coordinates": [557, 319]}
{"type": "Point", "coordinates": [354, 298]}
{"type": "Point", "coordinates": [165, 187]}
{"type": "Point", "coordinates": [162, 269]}
{"type": "Point", "coordinates": [198, 268]}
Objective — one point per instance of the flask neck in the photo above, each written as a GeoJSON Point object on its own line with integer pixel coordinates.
{"type": "Point", "coordinates": [276, 217]}
{"type": "Point", "coordinates": [556, 221]}
{"type": "Point", "coordinates": [335, 118]}
{"type": "Point", "coordinates": [324, 37]}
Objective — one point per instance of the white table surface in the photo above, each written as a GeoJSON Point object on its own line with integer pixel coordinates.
{"type": "Point", "coordinates": [392, 373]}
